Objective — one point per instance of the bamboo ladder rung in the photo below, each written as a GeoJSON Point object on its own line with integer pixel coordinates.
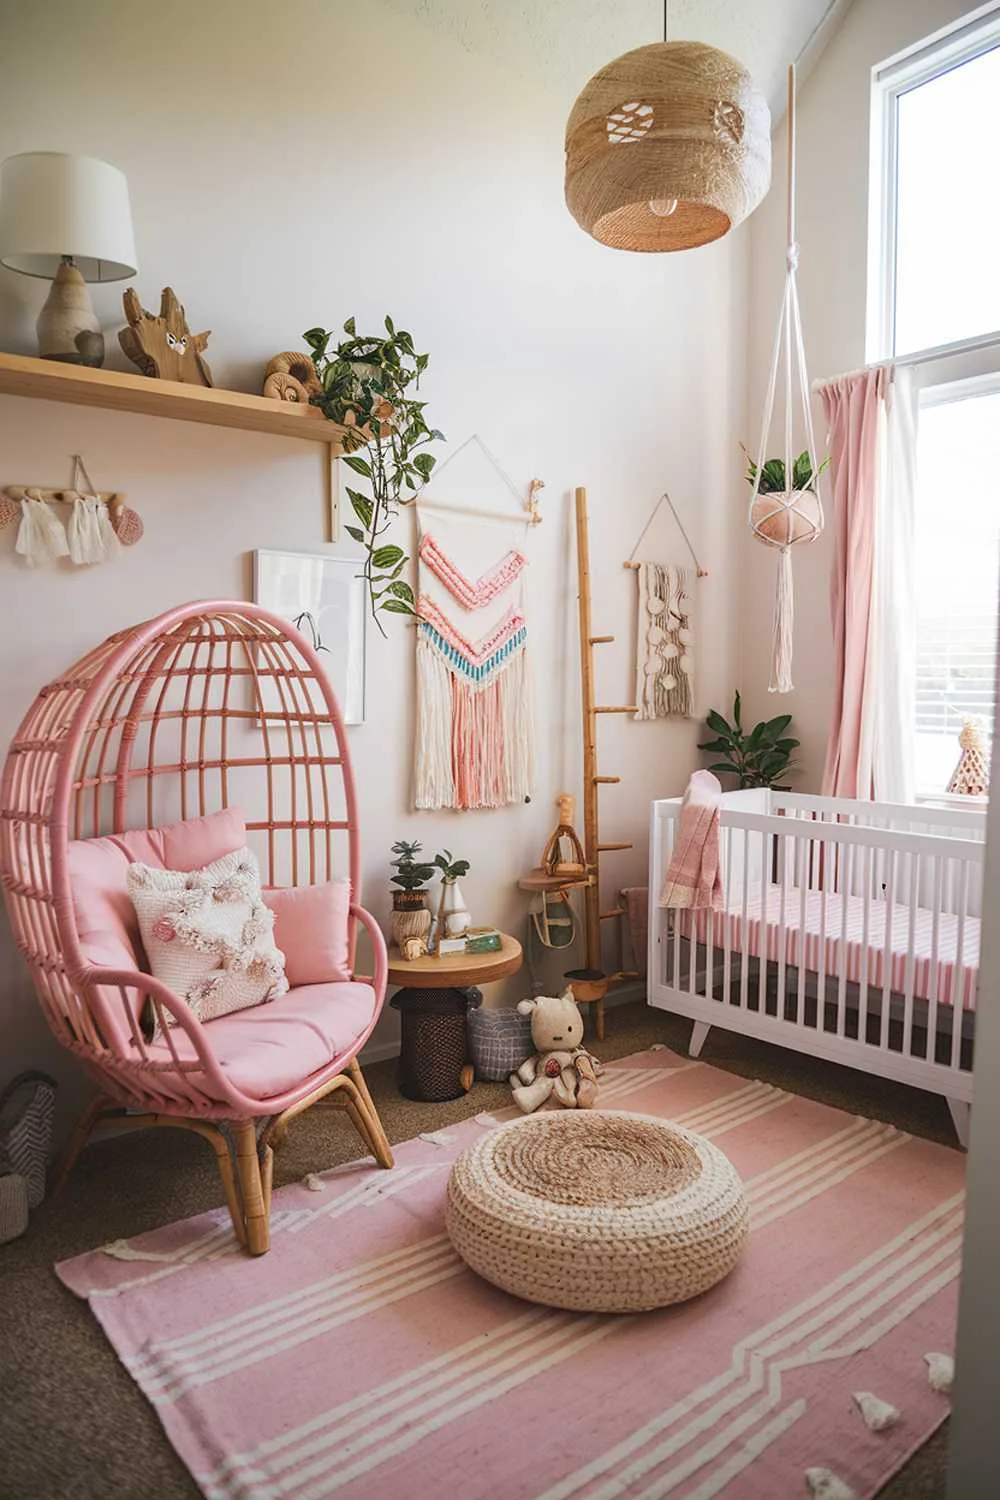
{"type": "Point", "coordinates": [606, 780]}
{"type": "Point", "coordinates": [619, 708]}
{"type": "Point", "coordinates": [601, 640]}
{"type": "Point", "coordinates": [605, 848]}
{"type": "Point", "coordinates": [616, 911]}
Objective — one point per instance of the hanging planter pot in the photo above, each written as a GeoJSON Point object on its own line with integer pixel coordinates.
{"type": "Point", "coordinates": [786, 518]}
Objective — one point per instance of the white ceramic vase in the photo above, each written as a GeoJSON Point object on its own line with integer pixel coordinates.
{"type": "Point", "coordinates": [455, 915]}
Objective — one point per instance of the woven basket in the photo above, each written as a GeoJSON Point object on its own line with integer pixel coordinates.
{"type": "Point", "coordinates": [667, 147]}
{"type": "Point", "coordinates": [597, 1212]}
{"type": "Point", "coordinates": [27, 1116]}
{"type": "Point", "coordinates": [13, 1206]}
{"type": "Point", "coordinates": [500, 1040]}
{"type": "Point", "coordinates": [434, 1045]}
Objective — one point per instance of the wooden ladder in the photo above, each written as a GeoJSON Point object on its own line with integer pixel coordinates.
{"type": "Point", "coordinates": [592, 780]}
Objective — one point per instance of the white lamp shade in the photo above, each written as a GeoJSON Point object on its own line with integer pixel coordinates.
{"type": "Point", "coordinates": [53, 205]}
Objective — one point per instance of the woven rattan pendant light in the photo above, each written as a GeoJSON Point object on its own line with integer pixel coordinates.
{"type": "Point", "coordinates": [668, 147]}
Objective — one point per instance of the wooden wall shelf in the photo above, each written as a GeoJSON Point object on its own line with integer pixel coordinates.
{"type": "Point", "coordinates": [47, 380]}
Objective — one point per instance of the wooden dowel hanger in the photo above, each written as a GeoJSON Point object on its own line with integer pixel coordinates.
{"type": "Point", "coordinates": [33, 492]}
{"type": "Point", "coordinates": [530, 515]}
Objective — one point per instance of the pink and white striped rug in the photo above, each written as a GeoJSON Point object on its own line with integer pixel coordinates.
{"type": "Point", "coordinates": [361, 1358]}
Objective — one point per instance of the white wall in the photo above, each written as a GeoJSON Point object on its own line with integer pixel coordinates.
{"type": "Point", "coordinates": [292, 165]}
{"type": "Point", "coordinates": [833, 142]}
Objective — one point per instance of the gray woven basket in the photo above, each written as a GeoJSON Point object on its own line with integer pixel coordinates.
{"type": "Point", "coordinates": [499, 1040]}
{"type": "Point", "coordinates": [27, 1115]}
{"type": "Point", "coordinates": [13, 1207]}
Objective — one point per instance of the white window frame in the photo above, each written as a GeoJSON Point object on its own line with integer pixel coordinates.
{"type": "Point", "coordinates": [946, 49]}
{"type": "Point", "coordinates": [947, 372]}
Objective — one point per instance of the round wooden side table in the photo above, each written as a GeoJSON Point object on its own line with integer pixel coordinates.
{"type": "Point", "coordinates": [433, 1002]}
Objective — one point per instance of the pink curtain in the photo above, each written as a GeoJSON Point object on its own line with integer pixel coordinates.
{"type": "Point", "coordinates": [853, 406]}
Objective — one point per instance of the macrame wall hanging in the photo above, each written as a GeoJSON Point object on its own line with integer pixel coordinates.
{"type": "Point", "coordinates": [96, 523]}
{"type": "Point", "coordinates": [664, 638]}
{"type": "Point", "coordinates": [475, 744]}
{"type": "Point", "coordinates": [787, 516]}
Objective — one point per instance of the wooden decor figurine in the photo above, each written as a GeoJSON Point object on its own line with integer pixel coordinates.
{"type": "Point", "coordinates": [163, 347]}
{"type": "Point", "coordinates": [557, 858]}
{"type": "Point", "coordinates": [291, 377]}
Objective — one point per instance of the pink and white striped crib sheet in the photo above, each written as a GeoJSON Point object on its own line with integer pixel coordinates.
{"type": "Point", "coordinates": [898, 933]}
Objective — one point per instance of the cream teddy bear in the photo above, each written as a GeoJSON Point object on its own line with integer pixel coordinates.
{"type": "Point", "coordinates": [561, 1067]}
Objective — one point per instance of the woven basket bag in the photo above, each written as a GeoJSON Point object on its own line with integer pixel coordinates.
{"type": "Point", "coordinates": [500, 1041]}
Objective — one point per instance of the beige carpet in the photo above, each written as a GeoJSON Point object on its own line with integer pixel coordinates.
{"type": "Point", "coordinates": [72, 1423]}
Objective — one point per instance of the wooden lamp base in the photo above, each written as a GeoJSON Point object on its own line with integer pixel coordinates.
{"type": "Point", "coordinates": [67, 327]}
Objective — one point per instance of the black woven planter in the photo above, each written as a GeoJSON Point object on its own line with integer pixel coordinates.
{"type": "Point", "coordinates": [434, 1046]}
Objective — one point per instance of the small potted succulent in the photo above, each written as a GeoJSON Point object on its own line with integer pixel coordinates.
{"type": "Point", "coordinates": [411, 915]}
{"type": "Point", "coordinates": [773, 519]}
{"type": "Point", "coordinates": [454, 916]}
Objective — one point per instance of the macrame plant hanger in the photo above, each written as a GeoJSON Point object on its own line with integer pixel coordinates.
{"type": "Point", "coordinates": [782, 519]}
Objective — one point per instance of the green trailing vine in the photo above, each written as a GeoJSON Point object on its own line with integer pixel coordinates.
{"type": "Point", "coordinates": [370, 384]}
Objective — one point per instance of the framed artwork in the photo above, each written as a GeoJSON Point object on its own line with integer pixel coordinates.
{"type": "Point", "coordinates": [324, 597]}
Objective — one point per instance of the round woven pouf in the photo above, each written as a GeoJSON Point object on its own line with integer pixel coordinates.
{"type": "Point", "coordinates": [597, 1212]}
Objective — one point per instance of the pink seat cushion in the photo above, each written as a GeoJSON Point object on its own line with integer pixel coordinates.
{"type": "Point", "coordinates": [310, 928]}
{"type": "Point", "coordinates": [270, 1049]}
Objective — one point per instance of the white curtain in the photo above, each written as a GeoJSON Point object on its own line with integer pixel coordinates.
{"type": "Point", "coordinates": [892, 706]}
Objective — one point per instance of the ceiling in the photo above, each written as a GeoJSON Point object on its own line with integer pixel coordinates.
{"type": "Point", "coordinates": [561, 43]}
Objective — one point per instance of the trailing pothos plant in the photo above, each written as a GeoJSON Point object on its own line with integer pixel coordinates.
{"type": "Point", "coordinates": [370, 384]}
{"type": "Point", "coordinates": [757, 758]}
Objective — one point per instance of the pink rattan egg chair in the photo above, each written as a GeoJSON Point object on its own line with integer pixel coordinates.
{"type": "Point", "coordinates": [209, 717]}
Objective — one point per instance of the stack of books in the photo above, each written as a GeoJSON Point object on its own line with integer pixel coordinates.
{"type": "Point", "coordinates": [476, 940]}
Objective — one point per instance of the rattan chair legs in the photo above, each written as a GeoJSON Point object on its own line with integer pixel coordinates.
{"type": "Point", "coordinates": [246, 1163]}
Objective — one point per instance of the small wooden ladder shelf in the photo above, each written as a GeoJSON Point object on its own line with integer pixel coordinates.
{"type": "Point", "coordinates": [593, 781]}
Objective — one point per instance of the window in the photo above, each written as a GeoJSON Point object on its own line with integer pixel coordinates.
{"type": "Point", "coordinates": [957, 545]}
{"type": "Point", "coordinates": [934, 303]}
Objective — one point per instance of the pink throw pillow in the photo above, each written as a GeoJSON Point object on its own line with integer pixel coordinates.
{"type": "Point", "coordinates": [97, 869]}
{"type": "Point", "coordinates": [310, 928]}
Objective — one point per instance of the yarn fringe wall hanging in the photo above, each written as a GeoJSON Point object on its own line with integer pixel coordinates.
{"type": "Point", "coordinates": [475, 743]}
{"type": "Point", "coordinates": [791, 514]}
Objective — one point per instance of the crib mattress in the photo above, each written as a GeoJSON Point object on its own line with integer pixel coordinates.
{"type": "Point", "coordinates": [896, 935]}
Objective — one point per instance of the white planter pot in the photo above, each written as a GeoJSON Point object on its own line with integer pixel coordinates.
{"type": "Point", "coordinates": [455, 915]}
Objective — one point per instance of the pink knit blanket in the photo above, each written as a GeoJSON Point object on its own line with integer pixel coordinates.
{"type": "Point", "coordinates": [693, 878]}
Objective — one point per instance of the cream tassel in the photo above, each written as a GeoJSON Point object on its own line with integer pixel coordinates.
{"type": "Point", "coordinates": [879, 1415]}
{"type": "Point", "coordinates": [825, 1485]}
{"type": "Point", "coordinates": [940, 1372]}
{"type": "Point", "coordinates": [41, 537]}
{"type": "Point", "coordinates": [784, 619]}
{"type": "Point", "coordinates": [435, 785]}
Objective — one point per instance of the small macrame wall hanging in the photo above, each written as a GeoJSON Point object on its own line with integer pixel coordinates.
{"type": "Point", "coordinates": [664, 637]}
{"type": "Point", "coordinates": [98, 521]}
{"type": "Point", "coordinates": [785, 506]}
{"type": "Point", "coordinates": [475, 743]}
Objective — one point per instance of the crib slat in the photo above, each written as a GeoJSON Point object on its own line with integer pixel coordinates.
{"type": "Point", "coordinates": [889, 896]}
{"type": "Point", "coordinates": [783, 927]}
{"type": "Point", "coordinates": [800, 999]}
{"type": "Point", "coordinates": [821, 975]}
{"type": "Point", "coordinates": [935, 974]}
{"type": "Point", "coordinates": [911, 963]}
{"type": "Point", "coordinates": [846, 873]}
{"type": "Point", "coordinates": [745, 926]}
{"type": "Point", "coordinates": [960, 978]}
{"type": "Point", "coordinates": [727, 932]}
{"type": "Point", "coordinates": [763, 943]}
{"type": "Point", "coordinates": [866, 896]}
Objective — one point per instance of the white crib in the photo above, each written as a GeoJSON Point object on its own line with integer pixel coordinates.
{"type": "Point", "coordinates": [849, 930]}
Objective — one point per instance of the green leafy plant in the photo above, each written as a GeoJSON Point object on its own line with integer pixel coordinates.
{"type": "Point", "coordinates": [772, 473]}
{"type": "Point", "coordinates": [451, 869]}
{"type": "Point", "coordinates": [757, 758]}
{"type": "Point", "coordinates": [370, 384]}
{"type": "Point", "coordinates": [411, 874]}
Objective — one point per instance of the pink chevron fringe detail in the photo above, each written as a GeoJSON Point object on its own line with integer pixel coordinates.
{"type": "Point", "coordinates": [477, 744]}
{"type": "Point", "coordinates": [472, 595]}
{"type": "Point", "coordinates": [482, 650]}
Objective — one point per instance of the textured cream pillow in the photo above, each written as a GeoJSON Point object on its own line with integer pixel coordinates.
{"type": "Point", "coordinates": [208, 935]}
